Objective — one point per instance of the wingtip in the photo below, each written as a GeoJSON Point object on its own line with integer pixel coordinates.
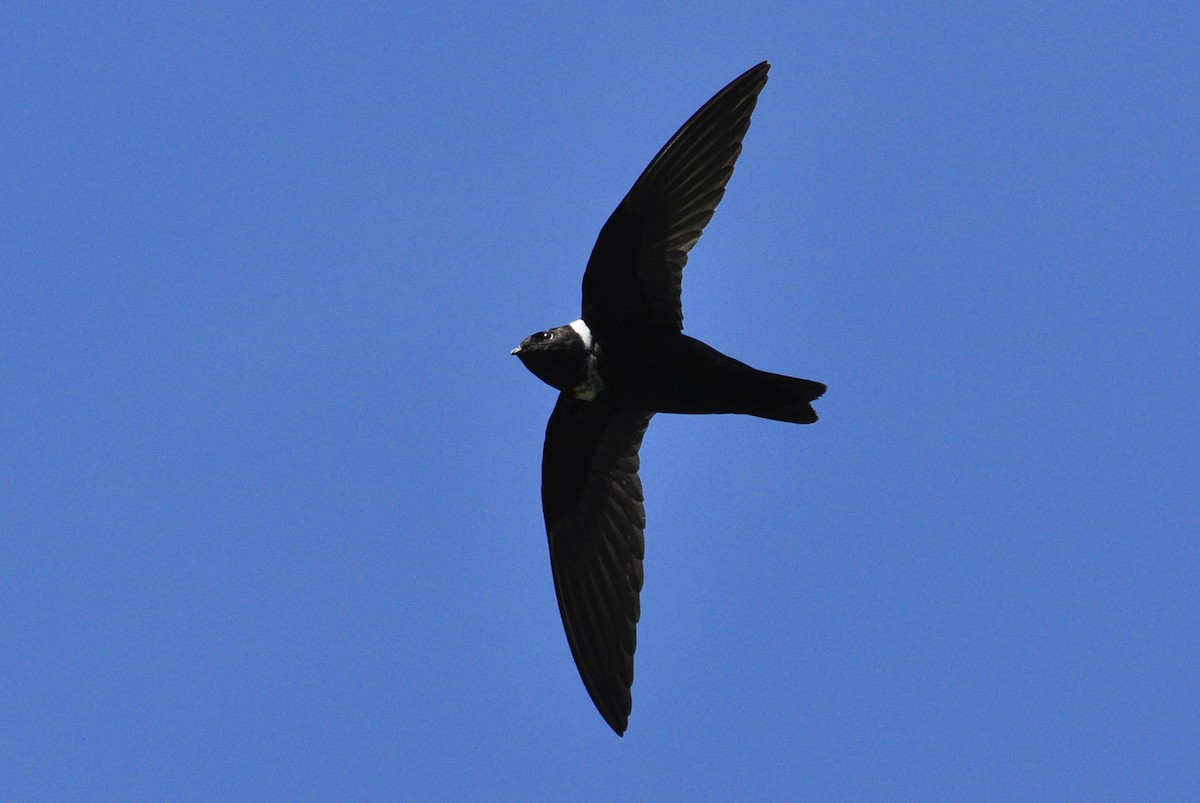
{"type": "Point", "coordinates": [615, 714]}
{"type": "Point", "coordinates": [755, 76]}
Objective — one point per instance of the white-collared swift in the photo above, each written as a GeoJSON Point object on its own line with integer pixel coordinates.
{"type": "Point", "coordinates": [623, 361]}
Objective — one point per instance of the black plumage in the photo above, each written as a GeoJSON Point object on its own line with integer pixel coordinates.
{"type": "Point", "coordinates": [625, 360]}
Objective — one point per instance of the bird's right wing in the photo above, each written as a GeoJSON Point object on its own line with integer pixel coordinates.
{"type": "Point", "coordinates": [592, 501]}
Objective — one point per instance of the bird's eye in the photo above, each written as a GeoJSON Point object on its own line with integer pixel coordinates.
{"type": "Point", "coordinates": [544, 336]}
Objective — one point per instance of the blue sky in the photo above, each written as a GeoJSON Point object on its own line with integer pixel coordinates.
{"type": "Point", "coordinates": [269, 515]}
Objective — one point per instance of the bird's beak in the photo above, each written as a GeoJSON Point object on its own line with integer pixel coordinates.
{"type": "Point", "coordinates": [515, 351]}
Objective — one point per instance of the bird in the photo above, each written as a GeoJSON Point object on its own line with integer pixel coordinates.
{"type": "Point", "coordinates": [622, 362]}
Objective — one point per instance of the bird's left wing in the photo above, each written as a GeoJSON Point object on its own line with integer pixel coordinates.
{"type": "Point", "coordinates": [634, 274]}
{"type": "Point", "coordinates": [592, 501]}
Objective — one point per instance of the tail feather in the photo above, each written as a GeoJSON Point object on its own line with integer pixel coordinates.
{"type": "Point", "coordinates": [791, 399]}
{"type": "Point", "coordinates": [693, 377]}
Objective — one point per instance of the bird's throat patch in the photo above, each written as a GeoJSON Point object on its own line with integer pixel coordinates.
{"type": "Point", "coordinates": [593, 383]}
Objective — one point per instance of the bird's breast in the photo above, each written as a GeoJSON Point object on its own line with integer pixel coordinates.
{"type": "Point", "coordinates": [593, 383]}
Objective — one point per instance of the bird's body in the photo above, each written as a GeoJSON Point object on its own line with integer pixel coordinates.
{"type": "Point", "coordinates": [624, 361]}
{"type": "Point", "coordinates": [666, 372]}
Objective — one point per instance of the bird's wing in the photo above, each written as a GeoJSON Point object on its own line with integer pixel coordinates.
{"type": "Point", "coordinates": [592, 501]}
{"type": "Point", "coordinates": [634, 274]}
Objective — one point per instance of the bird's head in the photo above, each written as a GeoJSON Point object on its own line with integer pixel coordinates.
{"type": "Point", "coordinates": [559, 357]}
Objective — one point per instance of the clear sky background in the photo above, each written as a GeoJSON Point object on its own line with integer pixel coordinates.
{"type": "Point", "coordinates": [269, 513]}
